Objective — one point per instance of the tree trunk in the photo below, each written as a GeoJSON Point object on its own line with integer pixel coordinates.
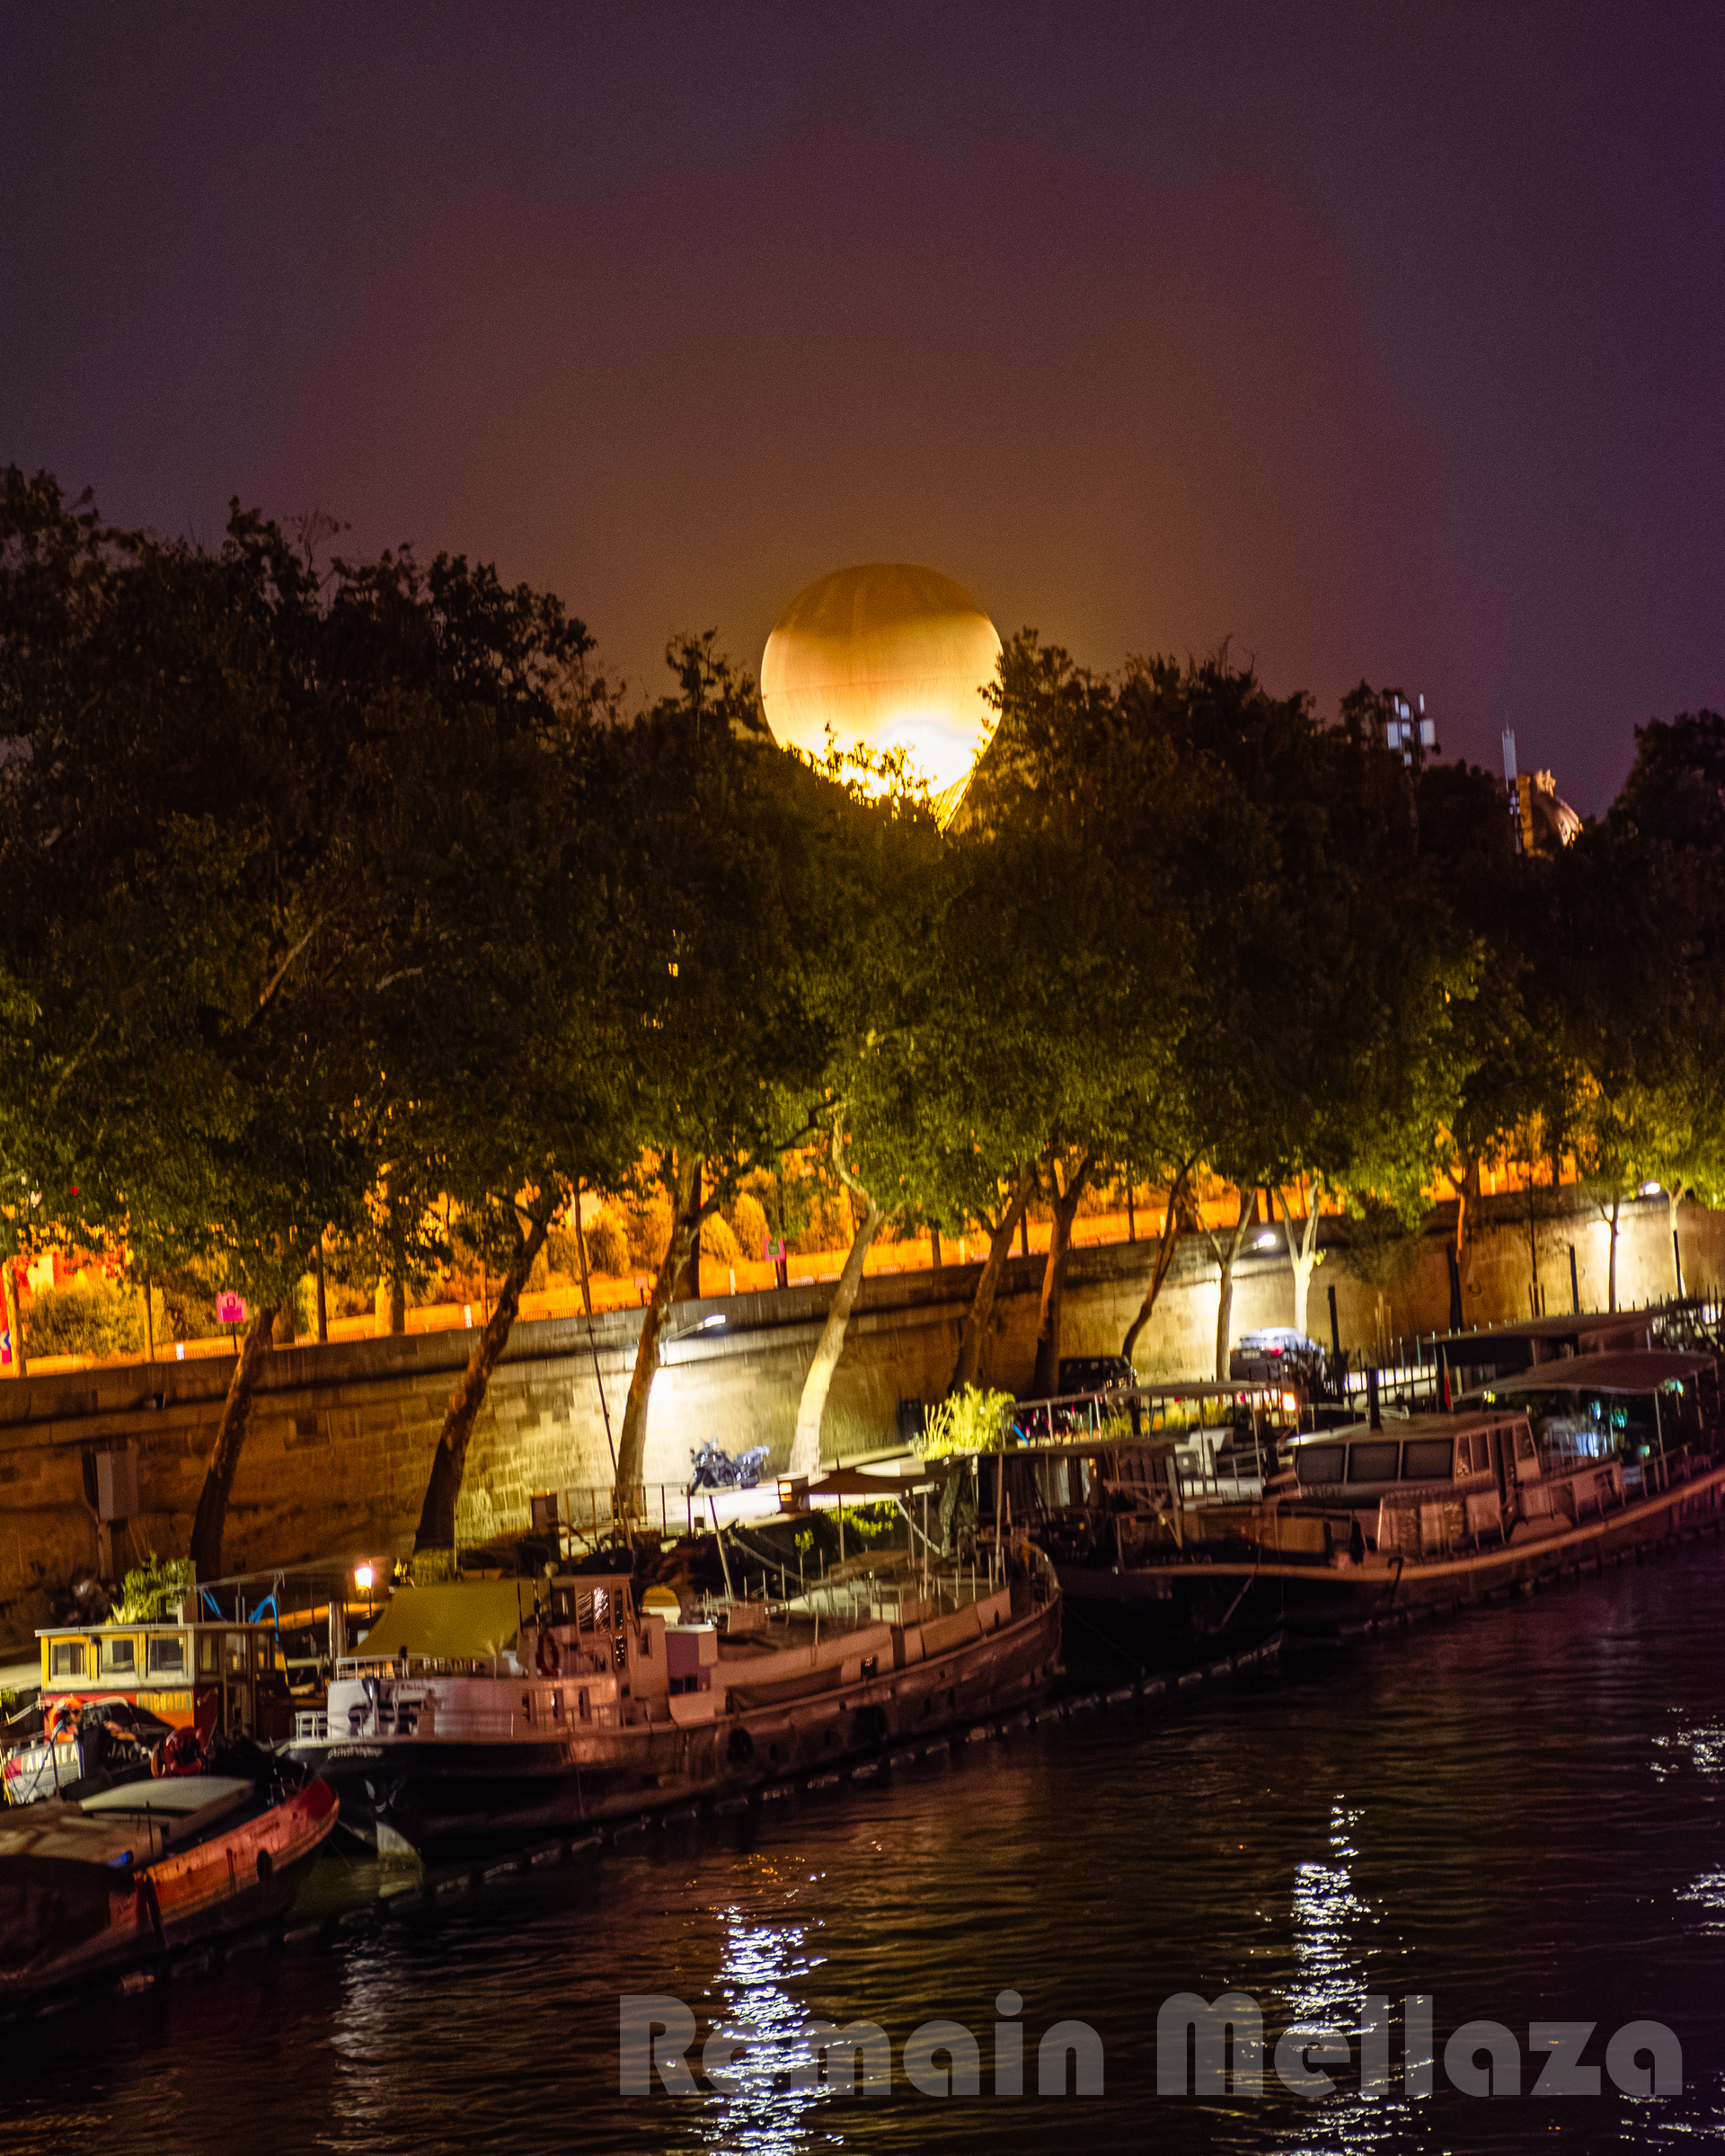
{"type": "Point", "coordinates": [208, 1528]}
{"type": "Point", "coordinates": [581, 1254]}
{"type": "Point", "coordinates": [1673, 1199]}
{"type": "Point", "coordinates": [805, 1446]}
{"type": "Point", "coordinates": [1045, 1380]}
{"type": "Point", "coordinates": [16, 1317]}
{"type": "Point", "coordinates": [396, 1281]}
{"type": "Point", "coordinates": [688, 1279]}
{"type": "Point", "coordinates": [1165, 1250]}
{"type": "Point", "coordinates": [436, 1528]}
{"type": "Point", "coordinates": [323, 1299]}
{"type": "Point", "coordinates": [1305, 1257]}
{"type": "Point", "coordinates": [1611, 1262]}
{"type": "Point", "coordinates": [685, 1233]}
{"type": "Point", "coordinates": [1224, 1259]}
{"type": "Point", "coordinates": [149, 1325]}
{"type": "Point", "coordinates": [974, 1332]}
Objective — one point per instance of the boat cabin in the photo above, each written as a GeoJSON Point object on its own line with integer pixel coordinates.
{"type": "Point", "coordinates": [1363, 1465]}
{"type": "Point", "coordinates": [206, 1677]}
{"type": "Point", "coordinates": [1633, 1406]}
{"type": "Point", "coordinates": [1469, 1360]}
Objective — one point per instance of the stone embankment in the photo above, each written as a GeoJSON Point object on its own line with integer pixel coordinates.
{"type": "Point", "coordinates": [342, 1434]}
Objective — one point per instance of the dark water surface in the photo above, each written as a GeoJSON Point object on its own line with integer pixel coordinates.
{"type": "Point", "coordinates": [1517, 1812]}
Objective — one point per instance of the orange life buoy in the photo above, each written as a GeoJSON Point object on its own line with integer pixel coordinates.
{"type": "Point", "coordinates": [547, 1656]}
{"type": "Point", "coordinates": [66, 1709]}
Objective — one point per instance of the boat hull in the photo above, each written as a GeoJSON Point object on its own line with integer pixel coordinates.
{"type": "Point", "coordinates": [448, 1797]}
{"type": "Point", "coordinates": [65, 1923]}
{"type": "Point", "coordinates": [1227, 1602]}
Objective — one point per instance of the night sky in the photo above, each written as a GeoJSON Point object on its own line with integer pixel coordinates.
{"type": "Point", "coordinates": [1378, 342]}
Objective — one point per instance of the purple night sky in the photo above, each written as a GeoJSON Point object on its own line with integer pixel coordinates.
{"type": "Point", "coordinates": [1380, 341]}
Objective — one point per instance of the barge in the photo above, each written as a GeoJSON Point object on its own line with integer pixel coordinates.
{"type": "Point", "coordinates": [483, 1713]}
{"type": "Point", "coordinates": [1559, 1465]}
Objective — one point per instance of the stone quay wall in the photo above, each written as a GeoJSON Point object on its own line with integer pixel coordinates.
{"type": "Point", "coordinates": [341, 1435]}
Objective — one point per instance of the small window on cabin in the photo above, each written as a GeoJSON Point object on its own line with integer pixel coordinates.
{"type": "Point", "coordinates": [1374, 1462]}
{"type": "Point", "coordinates": [209, 1654]}
{"type": "Point", "coordinates": [239, 1655]}
{"type": "Point", "coordinates": [1525, 1447]}
{"type": "Point", "coordinates": [66, 1658]}
{"type": "Point", "coordinates": [118, 1657]}
{"type": "Point", "coordinates": [1321, 1462]}
{"type": "Point", "coordinates": [167, 1656]}
{"type": "Point", "coordinates": [1426, 1460]}
{"type": "Point", "coordinates": [1481, 1443]}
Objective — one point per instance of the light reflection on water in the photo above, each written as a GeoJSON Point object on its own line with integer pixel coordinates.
{"type": "Point", "coordinates": [753, 2003]}
{"type": "Point", "coordinates": [1519, 1813]}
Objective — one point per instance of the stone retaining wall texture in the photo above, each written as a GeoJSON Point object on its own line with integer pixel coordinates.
{"type": "Point", "coordinates": [341, 1436]}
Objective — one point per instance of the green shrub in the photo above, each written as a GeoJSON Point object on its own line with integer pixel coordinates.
{"type": "Point", "coordinates": [92, 1315]}
{"type": "Point", "coordinates": [972, 1421]}
{"type": "Point", "coordinates": [649, 1229]}
{"type": "Point", "coordinates": [748, 1224]}
{"type": "Point", "coordinates": [155, 1589]}
{"type": "Point", "coordinates": [608, 1246]}
{"type": "Point", "coordinates": [718, 1241]}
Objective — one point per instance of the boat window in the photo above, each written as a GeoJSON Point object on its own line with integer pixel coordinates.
{"type": "Point", "coordinates": [1426, 1460]}
{"type": "Point", "coordinates": [1524, 1448]}
{"type": "Point", "coordinates": [210, 1653]}
{"type": "Point", "coordinates": [67, 1659]}
{"type": "Point", "coordinates": [1319, 1463]}
{"type": "Point", "coordinates": [1374, 1462]}
{"type": "Point", "coordinates": [238, 1651]}
{"type": "Point", "coordinates": [1480, 1442]}
{"type": "Point", "coordinates": [168, 1655]}
{"type": "Point", "coordinates": [118, 1657]}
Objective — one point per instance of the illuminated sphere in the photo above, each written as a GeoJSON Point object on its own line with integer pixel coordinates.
{"type": "Point", "coordinates": [888, 655]}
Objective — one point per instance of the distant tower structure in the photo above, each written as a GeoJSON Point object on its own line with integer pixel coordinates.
{"type": "Point", "coordinates": [1415, 735]}
{"type": "Point", "coordinates": [890, 655]}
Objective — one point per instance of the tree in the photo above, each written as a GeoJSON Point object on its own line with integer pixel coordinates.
{"type": "Point", "coordinates": [1068, 957]}
{"type": "Point", "coordinates": [1320, 1043]}
{"type": "Point", "coordinates": [165, 845]}
{"type": "Point", "coordinates": [479, 1003]}
{"type": "Point", "coordinates": [879, 989]}
{"type": "Point", "coordinates": [717, 851]}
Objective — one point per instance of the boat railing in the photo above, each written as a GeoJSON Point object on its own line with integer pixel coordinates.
{"type": "Point", "coordinates": [868, 1598]}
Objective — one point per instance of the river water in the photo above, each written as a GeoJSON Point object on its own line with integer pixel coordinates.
{"type": "Point", "coordinates": [1516, 1813]}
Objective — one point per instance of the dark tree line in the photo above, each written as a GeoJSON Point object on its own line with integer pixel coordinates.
{"type": "Point", "coordinates": [335, 895]}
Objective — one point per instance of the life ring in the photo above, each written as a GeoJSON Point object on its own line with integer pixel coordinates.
{"type": "Point", "coordinates": [548, 1656]}
{"type": "Point", "coordinates": [63, 1710]}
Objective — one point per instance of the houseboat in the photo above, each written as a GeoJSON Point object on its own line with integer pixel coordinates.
{"type": "Point", "coordinates": [1560, 1464]}
{"type": "Point", "coordinates": [89, 1890]}
{"type": "Point", "coordinates": [110, 1691]}
{"type": "Point", "coordinates": [483, 1712]}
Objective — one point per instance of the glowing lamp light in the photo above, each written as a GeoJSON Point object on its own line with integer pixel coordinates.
{"type": "Point", "coordinates": [365, 1578]}
{"type": "Point", "coordinates": [1267, 1241]}
{"type": "Point", "coordinates": [1649, 1189]}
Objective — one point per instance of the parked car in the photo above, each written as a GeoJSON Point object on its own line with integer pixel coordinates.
{"type": "Point", "coordinates": [1273, 1352]}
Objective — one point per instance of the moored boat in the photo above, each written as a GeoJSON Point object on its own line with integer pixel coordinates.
{"type": "Point", "coordinates": [1558, 1465]}
{"type": "Point", "coordinates": [484, 1712]}
{"type": "Point", "coordinates": [94, 1889]}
